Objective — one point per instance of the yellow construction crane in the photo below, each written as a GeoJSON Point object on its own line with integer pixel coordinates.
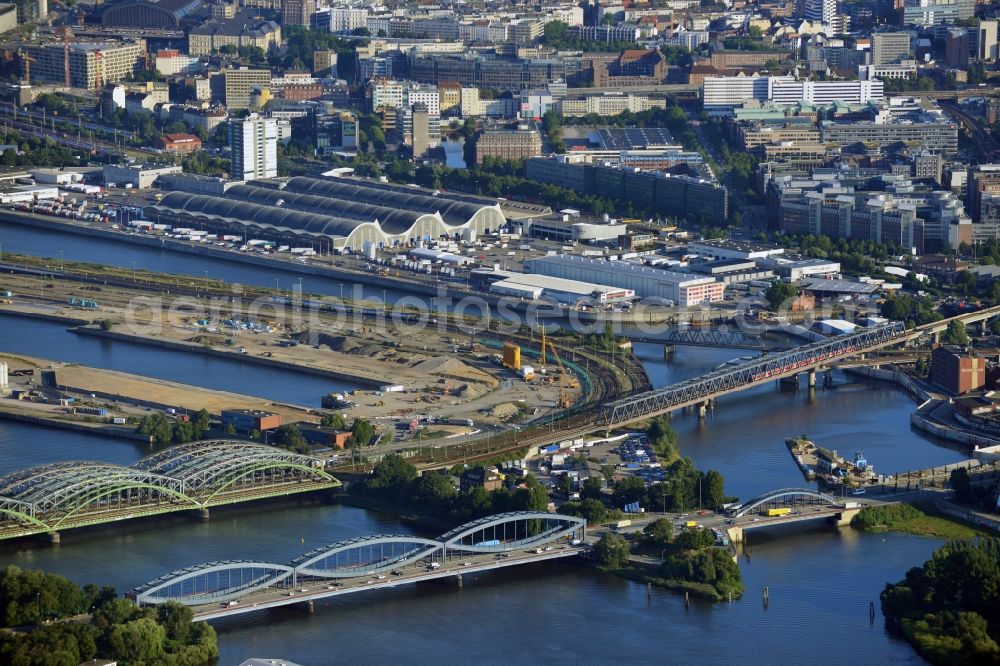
{"type": "Point", "coordinates": [564, 400]}
{"type": "Point", "coordinates": [27, 60]}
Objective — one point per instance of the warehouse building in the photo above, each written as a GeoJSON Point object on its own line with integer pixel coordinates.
{"type": "Point", "coordinates": [327, 215]}
{"type": "Point", "coordinates": [683, 289]}
{"type": "Point", "coordinates": [560, 290]}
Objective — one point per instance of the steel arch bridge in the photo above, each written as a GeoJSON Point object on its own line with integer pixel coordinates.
{"type": "Point", "coordinates": [744, 375]}
{"type": "Point", "coordinates": [783, 497]}
{"type": "Point", "coordinates": [198, 475]}
{"type": "Point", "coordinates": [360, 557]}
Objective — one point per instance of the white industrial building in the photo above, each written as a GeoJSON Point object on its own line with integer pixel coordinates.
{"type": "Point", "coordinates": [558, 289]}
{"type": "Point", "coordinates": [796, 267]}
{"type": "Point", "coordinates": [683, 289]}
{"type": "Point", "coordinates": [730, 249]}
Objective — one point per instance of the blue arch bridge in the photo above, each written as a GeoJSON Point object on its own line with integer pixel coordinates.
{"type": "Point", "coordinates": [220, 589]}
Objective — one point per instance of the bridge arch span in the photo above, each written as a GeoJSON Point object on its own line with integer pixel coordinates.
{"type": "Point", "coordinates": [783, 497]}
{"type": "Point", "coordinates": [363, 556]}
{"type": "Point", "coordinates": [208, 469]}
{"type": "Point", "coordinates": [509, 531]}
{"type": "Point", "coordinates": [214, 582]}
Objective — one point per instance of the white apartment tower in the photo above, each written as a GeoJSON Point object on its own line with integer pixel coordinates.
{"type": "Point", "coordinates": [819, 10]}
{"type": "Point", "coordinates": [254, 141]}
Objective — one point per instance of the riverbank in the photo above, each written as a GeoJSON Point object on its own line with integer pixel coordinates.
{"type": "Point", "coordinates": [163, 243]}
{"type": "Point", "coordinates": [190, 347]}
{"type": "Point", "coordinates": [117, 432]}
{"type": "Point", "coordinates": [923, 519]}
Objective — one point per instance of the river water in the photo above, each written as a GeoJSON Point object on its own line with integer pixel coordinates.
{"type": "Point", "coordinates": [821, 580]}
{"type": "Point", "coordinates": [18, 239]}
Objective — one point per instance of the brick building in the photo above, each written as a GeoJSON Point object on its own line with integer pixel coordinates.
{"type": "Point", "coordinates": [953, 369]}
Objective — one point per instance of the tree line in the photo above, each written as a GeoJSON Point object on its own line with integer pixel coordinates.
{"type": "Point", "coordinates": [394, 484]}
{"type": "Point", "coordinates": [39, 602]}
{"type": "Point", "coordinates": [949, 608]}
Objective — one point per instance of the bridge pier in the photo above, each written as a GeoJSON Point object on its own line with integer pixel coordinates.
{"type": "Point", "coordinates": [789, 382]}
{"type": "Point", "coordinates": [843, 519]}
{"type": "Point", "coordinates": [828, 378]}
{"type": "Point", "coordinates": [50, 537]}
{"type": "Point", "coordinates": [735, 534]}
{"type": "Point", "coordinates": [668, 352]}
{"type": "Point", "coordinates": [703, 409]}
{"type": "Point", "coordinates": [983, 328]}
{"type": "Point", "coordinates": [812, 378]}
{"type": "Point", "coordinates": [200, 514]}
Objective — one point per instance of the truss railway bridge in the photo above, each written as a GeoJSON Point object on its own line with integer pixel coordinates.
{"type": "Point", "coordinates": [192, 477]}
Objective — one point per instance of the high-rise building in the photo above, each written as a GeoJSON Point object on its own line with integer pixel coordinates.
{"type": "Point", "coordinates": [890, 47]}
{"type": "Point", "coordinates": [325, 64]}
{"type": "Point", "coordinates": [421, 131]}
{"type": "Point", "coordinates": [819, 10]}
{"type": "Point", "coordinates": [987, 47]}
{"type": "Point", "coordinates": [254, 142]}
{"type": "Point", "coordinates": [297, 12]}
{"type": "Point", "coordinates": [29, 11]}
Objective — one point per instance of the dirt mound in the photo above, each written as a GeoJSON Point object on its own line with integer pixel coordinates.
{"type": "Point", "coordinates": [504, 410]}
{"type": "Point", "coordinates": [448, 366]}
{"type": "Point", "coordinates": [471, 391]}
{"type": "Point", "coordinates": [337, 343]}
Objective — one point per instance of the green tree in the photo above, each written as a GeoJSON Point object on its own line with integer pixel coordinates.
{"type": "Point", "coordinates": [362, 433]}
{"type": "Point", "coordinates": [612, 550]}
{"type": "Point", "coordinates": [107, 324]}
{"type": "Point", "coordinates": [139, 641]}
{"type": "Point", "coordinates": [659, 533]}
{"type": "Point", "coordinates": [392, 471]}
{"type": "Point", "coordinates": [713, 490]}
{"type": "Point", "coordinates": [289, 437]}
{"type": "Point", "coordinates": [780, 294]}
{"type": "Point", "coordinates": [592, 488]}
{"type": "Point", "coordinates": [629, 490]}
{"type": "Point", "coordinates": [955, 334]}
{"type": "Point", "coordinates": [335, 421]}
{"type": "Point", "coordinates": [176, 620]}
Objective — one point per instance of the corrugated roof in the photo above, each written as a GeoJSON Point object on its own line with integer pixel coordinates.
{"type": "Point", "coordinates": [454, 213]}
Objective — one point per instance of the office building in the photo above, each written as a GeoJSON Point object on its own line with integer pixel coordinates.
{"type": "Point", "coordinates": [31, 11]}
{"type": "Point", "coordinates": [890, 47]}
{"type": "Point", "coordinates": [325, 64]}
{"type": "Point", "coordinates": [297, 12]}
{"type": "Point", "coordinates": [91, 64]}
{"type": "Point", "coordinates": [987, 47]}
{"type": "Point", "coordinates": [254, 142]}
{"type": "Point", "coordinates": [934, 12]}
{"type": "Point", "coordinates": [822, 11]}
{"type": "Point", "coordinates": [421, 131]}
{"type": "Point", "coordinates": [245, 421]}
{"type": "Point", "coordinates": [508, 144]}
{"type": "Point", "coordinates": [233, 87]}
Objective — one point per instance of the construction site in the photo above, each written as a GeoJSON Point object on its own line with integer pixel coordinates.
{"type": "Point", "coordinates": [443, 382]}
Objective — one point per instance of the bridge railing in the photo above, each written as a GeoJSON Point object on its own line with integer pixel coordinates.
{"type": "Point", "coordinates": [748, 373]}
{"type": "Point", "coordinates": [782, 497]}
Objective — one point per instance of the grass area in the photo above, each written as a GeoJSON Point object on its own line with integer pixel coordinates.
{"type": "Point", "coordinates": [921, 520]}
{"type": "Point", "coordinates": [701, 590]}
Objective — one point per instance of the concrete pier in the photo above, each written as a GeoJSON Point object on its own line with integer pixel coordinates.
{"type": "Point", "coordinates": [50, 537]}
{"type": "Point", "coordinates": [812, 378]}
